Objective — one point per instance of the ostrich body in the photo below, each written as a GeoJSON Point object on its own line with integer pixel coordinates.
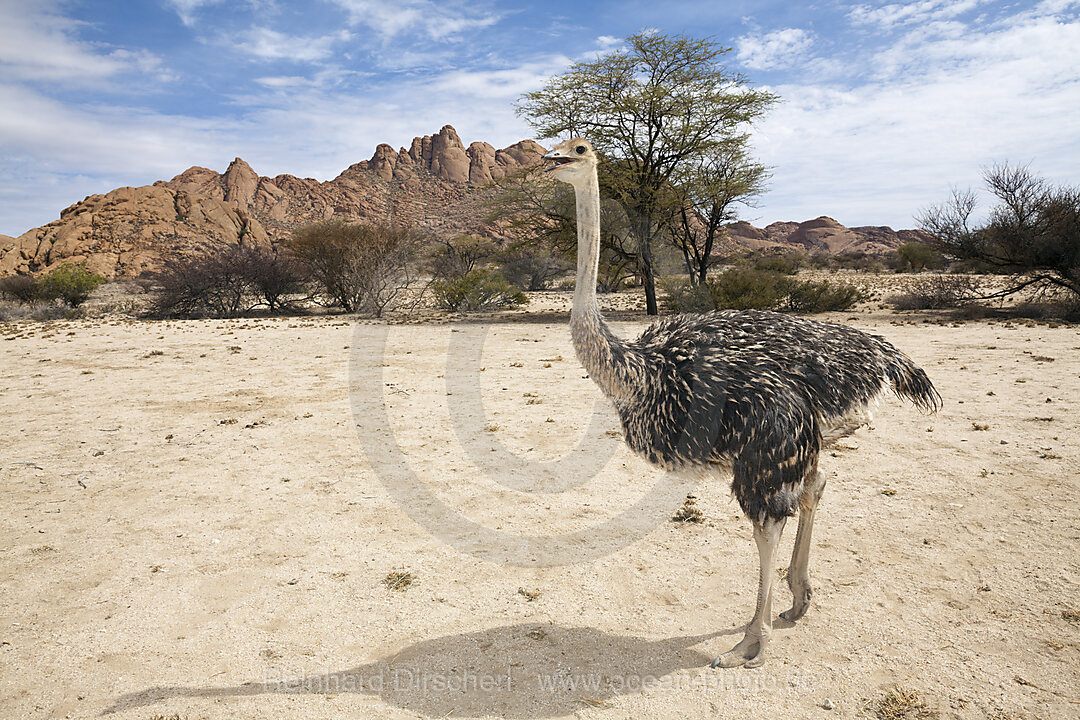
{"type": "Point", "coordinates": [757, 394]}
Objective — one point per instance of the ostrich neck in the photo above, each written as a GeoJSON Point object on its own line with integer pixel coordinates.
{"type": "Point", "coordinates": [599, 350]}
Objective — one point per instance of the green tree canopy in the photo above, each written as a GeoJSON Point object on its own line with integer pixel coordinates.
{"type": "Point", "coordinates": [653, 109]}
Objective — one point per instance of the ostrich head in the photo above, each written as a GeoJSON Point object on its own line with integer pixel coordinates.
{"type": "Point", "coordinates": [575, 160]}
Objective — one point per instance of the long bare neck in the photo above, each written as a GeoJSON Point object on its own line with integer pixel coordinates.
{"type": "Point", "coordinates": [599, 350]}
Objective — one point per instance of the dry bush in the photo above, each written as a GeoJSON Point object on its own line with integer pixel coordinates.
{"type": "Point", "coordinates": [785, 264]}
{"type": "Point", "coordinates": [453, 259]}
{"type": "Point", "coordinates": [820, 296]}
{"type": "Point", "coordinates": [685, 298]}
{"type": "Point", "coordinates": [901, 703]}
{"type": "Point", "coordinates": [20, 288]}
{"type": "Point", "coordinates": [532, 268]}
{"type": "Point", "coordinates": [359, 267]}
{"type": "Point", "coordinates": [938, 292]}
{"type": "Point", "coordinates": [1032, 233]}
{"type": "Point", "coordinates": [226, 281]}
{"type": "Point", "coordinates": [689, 512]}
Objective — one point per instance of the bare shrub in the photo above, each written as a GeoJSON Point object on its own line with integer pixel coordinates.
{"type": "Point", "coordinates": [455, 258]}
{"type": "Point", "coordinates": [207, 283]}
{"type": "Point", "coordinates": [358, 267]}
{"type": "Point", "coordinates": [938, 292]}
{"type": "Point", "coordinates": [21, 288]}
{"type": "Point", "coordinates": [225, 281]}
{"type": "Point", "coordinates": [271, 275]}
{"type": "Point", "coordinates": [1032, 234]}
{"type": "Point", "coordinates": [532, 268]}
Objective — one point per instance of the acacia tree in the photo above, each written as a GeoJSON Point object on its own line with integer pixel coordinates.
{"type": "Point", "coordinates": [1032, 233]}
{"type": "Point", "coordinates": [652, 109]}
{"type": "Point", "coordinates": [705, 197]}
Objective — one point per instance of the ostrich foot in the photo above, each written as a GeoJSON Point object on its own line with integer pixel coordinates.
{"type": "Point", "coordinates": [800, 606]}
{"type": "Point", "coordinates": [750, 652]}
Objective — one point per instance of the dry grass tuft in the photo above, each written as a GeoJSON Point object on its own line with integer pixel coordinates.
{"type": "Point", "coordinates": [977, 426]}
{"type": "Point", "coordinates": [399, 580]}
{"type": "Point", "coordinates": [901, 703]}
{"type": "Point", "coordinates": [689, 512]}
{"type": "Point", "coordinates": [1072, 615]}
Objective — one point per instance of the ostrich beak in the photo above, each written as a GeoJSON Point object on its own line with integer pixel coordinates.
{"type": "Point", "coordinates": [560, 160]}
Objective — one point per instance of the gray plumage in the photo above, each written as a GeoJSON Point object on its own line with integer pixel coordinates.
{"type": "Point", "coordinates": [754, 391]}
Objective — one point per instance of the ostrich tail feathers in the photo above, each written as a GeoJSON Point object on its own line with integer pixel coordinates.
{"type": "Point", "coordinates": [910, 381]}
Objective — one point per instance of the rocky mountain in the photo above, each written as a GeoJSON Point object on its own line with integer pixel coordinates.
{"type": "Point", "coordinates": [821, 235]}
{"type": "Point", "coordinates": [437, 183]}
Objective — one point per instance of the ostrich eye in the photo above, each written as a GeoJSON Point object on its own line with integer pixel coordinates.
{"type": "Point", "coordinates": [580, 149]}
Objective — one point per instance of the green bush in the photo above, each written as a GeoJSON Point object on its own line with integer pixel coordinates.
{"type": "Point", "coordinates": [684, 298]}
{"type": "Point", "coordinates": [746, 289]}
{"type": "Point", "coordinates": [70, 283]}
{"type": "Point", "coordinates": [479, 289]}
{"type": "Point", "coordinates": [786, 264]}
{"type": "Point", "coordinates": [916, 256]}
{"type": "Point", "coordinates": [814, 297]}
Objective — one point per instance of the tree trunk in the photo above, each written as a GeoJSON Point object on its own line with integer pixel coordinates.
{"type": "Point", "coordinates": [648, 278]}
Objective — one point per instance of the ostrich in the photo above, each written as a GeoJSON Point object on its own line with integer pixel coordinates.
{"type": "Point", "coordinates": [754, 393]}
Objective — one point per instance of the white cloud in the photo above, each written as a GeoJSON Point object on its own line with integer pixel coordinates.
{"type": "Point", "coordinates": [879, 152]}
{"type": "Point", "coordinates": [187, 9]}
{"type": "Point", "coordinates": [435, 21]}
{"type": "Point", "coordinates": [266, 44]}
{"type": "Point", "coordinates": [895, 14]}
{"type": "Point", "coordinates": [38, 44]}
{"type": "Point", "coordinates": [502, 84]}
{"type": "Point", "coordinates": [778, 49]}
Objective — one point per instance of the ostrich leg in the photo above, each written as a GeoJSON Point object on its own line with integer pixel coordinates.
{"type": "Point", "coordinates": [799, 570]}
{"type": "Point", "coordinates": [750, 651]}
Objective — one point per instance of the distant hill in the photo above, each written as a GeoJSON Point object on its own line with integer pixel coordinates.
{"type": "Point", "coordinates": [821, 235]}
{"type": "Point", "coordinates": [437, 183]}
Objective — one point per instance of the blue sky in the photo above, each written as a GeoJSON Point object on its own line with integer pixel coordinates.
{"type": "Point", "coordinates": [886, 105]}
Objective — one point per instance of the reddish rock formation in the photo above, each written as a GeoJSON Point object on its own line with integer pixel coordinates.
{"type": "Point", "coordinates": [820, 235]}
{"type": "Point", "coordinates": [436, 183]}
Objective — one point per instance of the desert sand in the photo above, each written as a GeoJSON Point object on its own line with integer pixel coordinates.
{"type": "Point", "coordinates": [199, 518]}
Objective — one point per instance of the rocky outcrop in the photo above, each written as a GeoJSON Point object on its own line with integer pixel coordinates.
{"type": "Point", "coordinates": [436, 183]}
{"type": "Point", "coordinates": [820, 235]}
{"type": "Point", "coordinates": [444, 157]}
{"type": "Point", "coordinates": [129, 230]}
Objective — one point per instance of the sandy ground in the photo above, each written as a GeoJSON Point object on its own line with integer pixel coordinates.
{"type": "Point", "coordinates": [198, 518]}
